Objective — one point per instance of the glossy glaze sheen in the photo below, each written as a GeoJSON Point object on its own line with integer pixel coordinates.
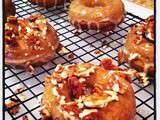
{"type": "Point", "coordinates": [23, 54]}
{"type": "Point", "coordinates": [96, 15]}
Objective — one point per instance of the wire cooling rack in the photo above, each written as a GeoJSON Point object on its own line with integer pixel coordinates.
{"type": "Point", "coordinates": [84, 46]}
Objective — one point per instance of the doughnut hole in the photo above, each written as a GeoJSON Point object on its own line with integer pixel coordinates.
{"type": "Point", "coordinates": [94, 3]}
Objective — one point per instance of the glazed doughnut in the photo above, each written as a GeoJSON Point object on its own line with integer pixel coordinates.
{"type": "Point", "coordinates": [138, 50]}
{"type": "Point", "coordinates": [49, 3]}
{"type": "Point", "coordinates": [9, 9]}
{"type": "Point", "coordinates": [85, 91]}
{"type": "Point", "coordinates": [103, 15]}
{"type": "Point", "coordinates": [29, 42]}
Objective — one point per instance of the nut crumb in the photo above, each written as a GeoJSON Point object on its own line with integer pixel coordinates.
{"type": "Point", "coordinates": [13, 107]}
{"type": "Point", "coordinates": [63, 50]}
{"type": "Point", "coordinates": [98, 52]}
{"type": "Point", "coordinates": [71, 56]}
{"type": "Point", "coordinates": [25, 117]}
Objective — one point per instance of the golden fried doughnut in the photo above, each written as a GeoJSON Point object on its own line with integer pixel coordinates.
{"type": "Point", "coordinates": [102, 15]}
{"type": "Point", "coordinates": [138, 50]}
{"type": "Point", "coordinates": [29, 42]}
{"type": "Point", "coordinates": [88, 92]}
{"type": "Point", "coordinates": [9, 9]}
{"type": "Point", "coordinates": [49, 3]}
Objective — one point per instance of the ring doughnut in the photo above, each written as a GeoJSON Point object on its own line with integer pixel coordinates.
{"type": "Point", "coordinates": [88, 92]}
{"type": "Point", "coordinates": [29, 42]}
{"type": "Point", "coordinates": [138, 50]}
{"type": "Point", "coordinates": [103, 15]}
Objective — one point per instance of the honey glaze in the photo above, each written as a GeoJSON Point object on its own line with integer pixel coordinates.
{"type": "Point", "coordinates": [27, 37]}
{"type": "Point", "coordinates": [28, 40]}
{"type": "Point", "coordinates": [88, 25]}
{"type": "Point", "coordinates": [94, 25]}
{"type": "Point", "coordinates": [93, 3]}
{"type": "Point", "coordinates": [92, 15]}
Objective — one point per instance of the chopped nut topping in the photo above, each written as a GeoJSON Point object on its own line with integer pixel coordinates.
{"type": "Point", "coordinates": [64, 75]}
{"type": "Point", "coordinates": [146, 30]}
{"type": "Point", "coordinates": [81, 80]}
{"type": "Point", "coordinates": [20, 95]}
{"type": "Point", "coordinates": [98, 52]}
{"type": "Point", "coordinates": [68, 115]}
{"type": "Point", "coordinates": [54, 91]}
{"type": "Point", "coordinates": [24, 117]}
{"type": "Point", "coordinates": [86, 112]}
{"type": "Point", "coordinates": [62, 100]}
{"type": "Point", "coordinates": [12, 19]}
{"type": "Point", "coordinates": [71, 56]}
{"type": "Point", "coordinates": [84, 92]}
{"type": "Point", "coordinates": [133, 56]}
{"type": "Point", "coordinates": [54, 82]}
{"type": "Point", "coordinates": [80, 105]}
{"type": "Point", "coordinates": [120, 56]}
{"type": "Point", "coordinates": [99, 101]}
{"type": "Point", "coordinates": [13, 110]}
{"type": "Point", "coordinates": [45, 113]}
{"type": "Point", "coordinates": [150, 36]}
{"type": "Point", "coordinates": [143, 78]}
{"type": "Point", "coordinates": [59, 68]}
{"type": "Point", "coordinates": [83, 71]}
{"type": "Point", "coordinates": [115, 87]}
{"type": "Point", "coordinates": [26, 30]}
{"type": "Point", "coordinates": [63, 50]}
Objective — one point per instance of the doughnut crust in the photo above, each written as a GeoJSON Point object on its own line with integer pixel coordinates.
{"type": "Point", "coordinates": [138, 50]}
{"type": "Point", "coordinates": [29, 42]}
{"type": "Point", "coordinates": [81, 96]}
{"type": "Point", "coordinates": [96, 14]}
{"type": "Point", "coordinates": [9, 9]}
{"type": "Point", "coordinates": [49, 3]}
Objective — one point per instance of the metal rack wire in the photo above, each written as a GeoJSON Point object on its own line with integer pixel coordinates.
{"type": "Point", "coordinates": [83, 46]}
